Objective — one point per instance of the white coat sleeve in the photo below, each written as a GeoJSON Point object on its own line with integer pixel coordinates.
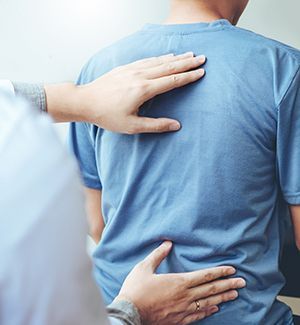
{"type": "Point", "coordinates": [45, 272]}
{"type": "Point", "coordinates": [7, 87]}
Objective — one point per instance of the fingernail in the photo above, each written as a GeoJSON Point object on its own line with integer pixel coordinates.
{"type": "Point", "coordinates": [233, 295]}
{"type": "Point", "coordinates": [167, 244]}
{"type": "Point", "coordinates": [231, 271]}
{"type": "Point", "coordinates": [170, 54]}
{"type": "Point", "coordinates": [201, 58]}
{"type": "Point", "coordinates": [241, 283]}
{"type": "Point", "coordinates": [214, 309]}
{"type": "Point", "coordinates": [201, 72]}
{"type": "Point", "coordinates": [174, 127]}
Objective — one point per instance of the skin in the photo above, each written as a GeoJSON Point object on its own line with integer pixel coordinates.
{"type": "Point", "coordinates": [94, 214]}
{"type": "Point", "coordinates": [193, 11]}
{"type": "Point", "coordinates": [113, 103]}
{"type": "Point", "coordinates": [295, 214]}
{"type": "Point", "coordinates": [170, 298]}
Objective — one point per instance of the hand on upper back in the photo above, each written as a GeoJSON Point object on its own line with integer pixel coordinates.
{"type": "Point", "coordinates": [168, 299]}
{"type": "Point", "coordinates": [113, 101]}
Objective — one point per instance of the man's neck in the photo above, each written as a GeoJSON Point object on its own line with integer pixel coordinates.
{"type": "Point", "coordinates": [194, 11]}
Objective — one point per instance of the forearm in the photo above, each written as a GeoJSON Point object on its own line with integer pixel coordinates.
{"type": "Point", "coordinates": [61, 101]}
{"type": "Point", "coordinates": [65, 103]}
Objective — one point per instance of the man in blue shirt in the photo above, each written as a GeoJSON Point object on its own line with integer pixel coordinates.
{"type": "Point", "coordinates": [220, 187]}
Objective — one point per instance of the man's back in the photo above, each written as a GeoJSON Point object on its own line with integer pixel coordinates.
{"type": "Point", "coordinates": [215, 187]}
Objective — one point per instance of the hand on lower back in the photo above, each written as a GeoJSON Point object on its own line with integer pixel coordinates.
{"type": "Point", "coordinates": [177, 298]}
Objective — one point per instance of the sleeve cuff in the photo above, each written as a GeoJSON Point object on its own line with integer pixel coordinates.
{"type": "Point", "coordinates": [293, 199]}
{"type": "Point", "coordinates": [124, 311]}
{"type": "Point", "coordinates": [34, 93]}
{"type": "Point", "coordinates": [92, 182]}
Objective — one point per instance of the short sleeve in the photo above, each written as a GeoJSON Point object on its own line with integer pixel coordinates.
{"type": "Point", "coordinates": [82, 141]}
{"type": "Point", "coordinates": [82, 145]}
{"type": "Point", "coordinates": [288, 142]}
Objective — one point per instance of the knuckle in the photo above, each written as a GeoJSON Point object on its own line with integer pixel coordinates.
{"type": "Point", "coordinates": [144, 88]}
{"type": "Point", "coordinates": [175, 79]}
{"type": "Point", "coordinates": [213, 289]}
{"type": "Point", "coordinates": [136, 73]}
{"type": "Point", "coordinates": [234, 283]}
{"type": "Point", "coordinates": [157, 128]}
{"type": "Point", "coordinates": [130, 131]}
{"type": "Point", "coordinates": [224, 272]}
{"type": "Point", "coordinates": [182, 284]}
{"type": "Point", "coordinates": [139, 89]}
{"type": "Point", "coordinates": [208, 277]}
{"type": "Point", "coordinates": [171, 67]}
{"type": "Point", "coordinates": [194, 75]}
{"type": "Point", "coordinates": [225, 296]}
{"type": "Point", "coordinates": [204, 304]}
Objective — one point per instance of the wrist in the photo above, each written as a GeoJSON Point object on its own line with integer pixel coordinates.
{"type": "Point", "coordinates": [64, 102]}
{"type": "Point", "coordinates": [88, 107]}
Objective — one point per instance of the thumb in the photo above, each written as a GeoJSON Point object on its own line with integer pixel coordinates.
{"type": "Point", "coordinates": [154, 125]}
{"type": "Point", "coordinates": [153, 260]}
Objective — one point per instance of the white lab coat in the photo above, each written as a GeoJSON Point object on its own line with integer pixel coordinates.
{"type": "Point", "coordinates": [45, 272]}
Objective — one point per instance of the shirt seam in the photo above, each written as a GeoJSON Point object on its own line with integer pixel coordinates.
{"type": "Point", "coordinates": [91, 183]}
{"type": "Point", "coordinates": [292, 196]}
{"type": "Point", "coordinates": [168, 33]}
{"type": "Point", "coordinates": [86, 179]}
{"type": "Point", "coordinates": [273, 41]}
{"type": "Point", "coordinates": [288, 88]}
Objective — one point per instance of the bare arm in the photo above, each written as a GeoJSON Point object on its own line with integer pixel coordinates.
{"type": "Point", "coordinates": [94, 213]}
{"type": "Point", "coordinates": [295, 213]}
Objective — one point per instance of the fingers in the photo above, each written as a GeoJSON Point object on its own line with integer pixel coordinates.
{"type": "Point", "coordinates": [207, 275]}
{"type": "Point", "coordinates": [213, 301]}
{"type": "Point", "coordinates": [157, 256]}
{"type": "Point", "coordinates": [165, 84]}
{"type": "Point", "coordinates": [157, 61]}
{"type": "Point", "coordinates": [200, 315]}
{"type": "Point", "coordinates": [175, 67]}
{"type": "Point", "coordinates": [152, 125]}
{"type": "Point", "coordinates": [216, 287]}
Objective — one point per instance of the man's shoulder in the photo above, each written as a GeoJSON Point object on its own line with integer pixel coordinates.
{"type": "Point", "coordinates": [108, 58]}
{"type": "Point", "coordinates": [257, 40]}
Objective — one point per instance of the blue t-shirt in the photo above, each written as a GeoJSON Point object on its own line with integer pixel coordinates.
{"type": "Point", "coordinates": [219, 187]}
